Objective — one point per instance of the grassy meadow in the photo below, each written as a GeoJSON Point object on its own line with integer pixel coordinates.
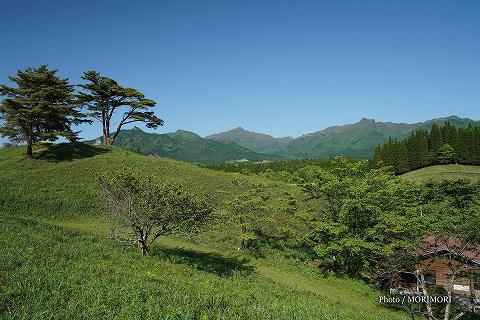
{"type": "Point", "coordinates": [444, 172]}
{"type": "Point", "coordinates": [57, 261]}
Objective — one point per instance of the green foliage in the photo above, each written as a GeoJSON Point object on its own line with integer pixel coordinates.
{"type": "Point", "coordinates": [367, 216]}
{"type": "Point", "coordinates": [446, 154]}
{"type": "Point", "coordinates": [250, 213]}
{"type": "Point", "coordinates": [40, 107]}
{"type": "Point", "coordinates": [283, 170]}
{"type": "Point", "coordinates": [104, 97]}
{"type": "Point", "coordinates": [146, 210]}
{"type": "Point", "coordinates": [443, 145]}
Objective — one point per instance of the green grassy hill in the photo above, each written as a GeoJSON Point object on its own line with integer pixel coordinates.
{"type": "Point", "coordinates": [443, 172]}
{"type": "Point", "coordinates": [57, 261]}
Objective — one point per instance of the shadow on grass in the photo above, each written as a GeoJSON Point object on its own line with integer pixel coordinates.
{"type": "Point", "coordinates": [69, 151]}
{"type": "Point", "coordinates": [206, 261]}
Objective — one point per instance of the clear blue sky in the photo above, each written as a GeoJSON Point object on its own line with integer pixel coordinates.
{"type": "Point", "coordinates": [279, 67]}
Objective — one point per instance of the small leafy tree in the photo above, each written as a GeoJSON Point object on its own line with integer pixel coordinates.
{"type": "Point", "coordinates": [140, 210]}
{"type": "Point", "coordinates": [40, 107]}
{"type": "Point", "coordinates": [249, 211]}
{"type": "Point", "coordinates": [104, 97]}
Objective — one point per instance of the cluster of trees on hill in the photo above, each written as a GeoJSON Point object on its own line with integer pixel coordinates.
{"type": "Point", "coordinates": [290, 166]}
{"type": "Point", "coordinates": [44, 107]}
{"type": "Point", "coordinates": [442, 145]}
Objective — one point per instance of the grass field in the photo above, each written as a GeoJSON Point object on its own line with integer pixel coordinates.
{"type": "Point", "coordinates": [57, 262]}
{"type": "Point", "coordinates": [444, 172]}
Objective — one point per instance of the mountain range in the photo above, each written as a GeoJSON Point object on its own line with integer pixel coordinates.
{"type": "Point", "coordinates": [187, 146]}
{"type": "Point", "coordinates": [358, 139]}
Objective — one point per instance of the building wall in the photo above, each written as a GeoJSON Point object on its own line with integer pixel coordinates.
{"type": "Point", "coordinates": [439, 266]}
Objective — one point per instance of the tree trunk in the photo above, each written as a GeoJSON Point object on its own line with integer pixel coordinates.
{"type": "Point", "coordinates": [428, 304]}
{"type": "Point", "coordinates": [104, 128]}
{"type": "Point", "coordinates": [449, 294]}
{"type": "Point", "coordinates": [241, 244]}
{"type": "Point", "coordinates": [29, 148]}
{"type": "Point", "coordinates": [143, 247]}
{"type": "Point", "coordinates": [107, 134]}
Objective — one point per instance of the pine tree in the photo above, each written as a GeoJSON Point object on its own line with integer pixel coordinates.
{"type": "Point", "coordinates": [435, 142]}
{"type": "Point", "coordinates": [401, 163]}
{"type": "Point", "coordinates": [104, 97]}
{"type": "Point", "coordinates": [470, 145]}
{"type": "Point", "coordinates": [39, 108]}
{"type": "Point", "coordinates": [462, 150]}
{"type": "Point", "coordinates": [412, 149]}
{"type": "Point", "coordinates": [476, 151]}
{"type": "Point", "coordinates": [378, 161]}
{"type": "Point", "coordinates": [421, 138]}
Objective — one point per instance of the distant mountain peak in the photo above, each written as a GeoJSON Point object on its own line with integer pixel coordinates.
{"type": "Point", "coordinates": [365, 120]}
{"type": "Point", "coordinates": [136, 128]}
{"type": "Point", "coordinates": [183, 134]}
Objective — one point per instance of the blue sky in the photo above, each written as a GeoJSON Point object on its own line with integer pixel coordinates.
{"type": "Point", "coordinates": [278, 67]}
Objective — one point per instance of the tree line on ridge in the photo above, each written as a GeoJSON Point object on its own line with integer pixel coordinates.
{"type": "Point", "coordinates": [445, 144]}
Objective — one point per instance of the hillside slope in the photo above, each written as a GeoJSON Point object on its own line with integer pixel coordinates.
{"type": "Point", "coordinates": [57, 260]}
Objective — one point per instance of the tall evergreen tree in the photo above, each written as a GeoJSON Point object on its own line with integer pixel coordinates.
{"type": "Point", "coordinates": [401, 159]}
{"type": "Point", "coordinates": [104, 97]}
{"type": "Point", "coordinates": [476, 150]}
{"type": "Point", "coordinates": [40, 107]}
{"type": "Point", "coordinates": [421, 138]}
{"type": "Point", "coordinates": [378, 161]}
{"type": "Point", "coordinates": [462, 150]}
{"type": "Point", "coordinates": [436, 142]}
{"type": "Point", "coordinates": [413, 156]}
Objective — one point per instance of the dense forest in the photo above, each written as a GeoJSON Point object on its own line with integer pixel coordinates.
{"type": "Point", "coordinates": [442, 145]}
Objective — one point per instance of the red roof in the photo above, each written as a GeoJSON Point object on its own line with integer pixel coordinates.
{"type": "Point", "coordinates": [433, 245]}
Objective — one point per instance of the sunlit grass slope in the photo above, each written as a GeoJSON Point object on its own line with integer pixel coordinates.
{"type": "Point", "coordinates": [56, 261]}
{"type": "Point", "coordinates": [64, 178]}
{"type": "Point", "coordinates": [443, 172]}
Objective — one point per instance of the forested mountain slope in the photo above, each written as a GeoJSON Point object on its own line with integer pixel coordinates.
{"type": "Point", "coordinates": [357, 139]}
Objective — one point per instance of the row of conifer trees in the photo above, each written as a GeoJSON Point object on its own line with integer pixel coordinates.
{"type": "Point", "coordinates": [442, 145]}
